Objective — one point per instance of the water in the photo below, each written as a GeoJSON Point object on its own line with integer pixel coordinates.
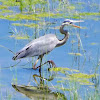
{"type": "Point", "coordinates": [88, 63]}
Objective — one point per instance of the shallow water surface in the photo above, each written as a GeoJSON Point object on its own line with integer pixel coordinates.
{"type": "Point", "coordinates": [78, 61]}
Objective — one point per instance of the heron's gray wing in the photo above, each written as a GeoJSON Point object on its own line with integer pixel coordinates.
{"type": "Point", "coordinates": [38, 47]}
{"type": "Point", "coordinates": [21, 54]}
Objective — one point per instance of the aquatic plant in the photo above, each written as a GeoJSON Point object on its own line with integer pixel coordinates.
{"type": "Point", "coordinates": [32, 25]}
{"type": "Point", "coordinates": [33, 16]}
{"type": "Point", "coordinates": [76, 54]}
{"type": "Point", "coordinates": [62, 69]}
{"type": "Point", "coordinates": [10, 2]}
{"type": "Point", "coordinates": [3, 7]}
{"type": "Point", "coordinates": [18, 37]}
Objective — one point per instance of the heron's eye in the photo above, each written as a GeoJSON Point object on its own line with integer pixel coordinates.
{"type": "Point", "coordinates": [66, 21]}
{"type": "Point", "coordinates": [70, 22]}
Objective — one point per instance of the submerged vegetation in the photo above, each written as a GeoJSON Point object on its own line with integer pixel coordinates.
{"type": "Point", "coordinates": [33, 9]}
{"type": "Point", "coordinates": [81, 78]}
{"type": "Point", "coordinates": [18, 37]}
{"type": "Point", "coordinates": [38, 17]}
{"type": "Point", "coordinates": [32, 25]}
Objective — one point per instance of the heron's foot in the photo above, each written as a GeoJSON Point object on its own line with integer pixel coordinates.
{"type": "Point", "coordinates": [51, 62]}
{"type": "Point", "coordinates": [36, 67]}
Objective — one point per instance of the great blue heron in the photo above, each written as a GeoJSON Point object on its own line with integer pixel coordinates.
{"type": "Point", "coordinates": [45, 44]}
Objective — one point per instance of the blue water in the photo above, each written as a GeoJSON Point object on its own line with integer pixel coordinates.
{"type": "Point", "coordinates": [85, 64]}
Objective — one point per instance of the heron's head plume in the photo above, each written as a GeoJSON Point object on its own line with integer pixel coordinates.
{"type": "Point", "coordinates": [71, 22]}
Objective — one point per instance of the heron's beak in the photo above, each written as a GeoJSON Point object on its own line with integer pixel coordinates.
{"type": "Point", "coordinates": [76, 21]}
{"type": "Point", "coordinates": [76, 26]}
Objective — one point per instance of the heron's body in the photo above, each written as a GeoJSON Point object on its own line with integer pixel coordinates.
{"type": "Point", "coordinates": [38, 47]}
{"type": "Point", "coordinates": [44, 44]}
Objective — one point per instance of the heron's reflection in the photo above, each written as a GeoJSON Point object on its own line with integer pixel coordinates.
{"type": "Point", "coordinates": [36, 93]}
{"type": "Point", "coordinates": [41, 91]}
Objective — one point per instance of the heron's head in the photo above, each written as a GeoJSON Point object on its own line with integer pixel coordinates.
{"type": "Point", "coordinates": [71, 22]}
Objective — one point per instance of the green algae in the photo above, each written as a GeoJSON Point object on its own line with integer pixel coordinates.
{"type": "Point", "coordinates": [32, 25]}
{"type": "Point", "coordinates": [3, 7]}
{"type": "Point", "coordinates": [19, 37]}
{"type": "Point", "coordinates": [10, 2]}
{"type": "Point", "coordinates": [15, 17]}
{"type": "Point", "coordinates": [93, 43]}
{"type": "Point", "coordinates": [20, 16]}
{"type": "Point", "coordinates": [62, 69]}
{"type": "Point", "coordinates": [6, 11]}
{"type": "Point", "coordinates": [76, 54]}
{"type": "Point", "coordinates": [82, 75]}
{"type": "Point", "coordinates": [72, 7]}
{"type": "Point", "coordinates": [89, 14]}
{"type": "Point", "coordinates": [45, 14]}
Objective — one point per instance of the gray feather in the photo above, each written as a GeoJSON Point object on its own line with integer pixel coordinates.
{"type": "Point", "coordinates": [38, 47]}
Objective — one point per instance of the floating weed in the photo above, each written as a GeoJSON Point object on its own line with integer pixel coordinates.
{"type": "Point", "coordinates": [85, 82]}
{"type": "Point", "coordinates": [26, 25]}
{"type": "Point", "coordinates": [5, 11]}
{"type": "Point", "coordinates": [81, 78]}
{"type": "Point", "coordinates": [71, 7]}
{"type": "Point", "coordinates": [26, 17]}
{"type": "Point", "coordinates": [45, 14]}
{"type": "Point", "coordinates": [2, 17]}
{"type": "Point", "coordinates": [20, 16]}
{"type": "Point", "coordinates": [63, 69]}
{"type": "Point", "coordinates": [64, 89]}
{"type": "Point", "coordinates": [39, 2]}
{"type": "Point", "coordinates": [30, 25]}
{"type": "Point", "coordinates": [82, 75]}
{"type": "Point", "coordinates": [3, 7]}
{"type": "Point", "coordinates": [10, 17]}
{"type": "Point", "coordinates": [16, 17]}
{"type": "Point", "coordinates": [81, 81]}
{"type": "Point", "coordinates": [89, 14]}
{"type": "Point", "coordinates": [18, 37]}
{"type": "Point", "coordinates": [38, 9]}
{"type": "Point", "coordinates": [84, 15]}
{"type": "Point", "coordinates": [94, 43]}
{"type": "Point", "coordinates": [10, 2]}
{"type": "Point", "coordinates": [76, 54]}
{"type": "Point", "coordinates": [17, 24]}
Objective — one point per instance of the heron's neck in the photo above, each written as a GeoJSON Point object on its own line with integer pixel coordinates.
{"type": "Point", "coordinates": [65, 32]}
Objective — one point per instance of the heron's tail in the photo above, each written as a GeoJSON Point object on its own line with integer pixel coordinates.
{"type": "Point", "coordinates": [19, 55]}
{"type": "Point", "coordinates": [14, 57]}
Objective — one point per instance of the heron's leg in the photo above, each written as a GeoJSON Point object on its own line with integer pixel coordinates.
{"type": "Point", "coordinates": [40, 64]}
{"type": "Point", "coordinates": [36, 63]}
{"type": "Point", "coordinates": [50, 62]}
{"type": "Point", "coordinates": [40, 57]}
